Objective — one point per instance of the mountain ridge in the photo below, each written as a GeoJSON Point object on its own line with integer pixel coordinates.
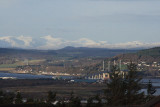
{"type": "Point", "coordinates": [147, 55]}
{"type": "Point", "coordinates": [68, 51]}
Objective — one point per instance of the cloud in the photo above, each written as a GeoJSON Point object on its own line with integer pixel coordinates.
{"type": "Point", "coordinates": [26, 40]}
{"type": "Point", "coordinates": [136, 44]}
{"type": "Point", "coordinates": [20, 41]}
{"type": "Point", "coordinates": [85, 42]}
{"type": "Point", "coordinates": [50, 42]}
{"type": "Point", "coordinates": [9, 40]}
{"type": "Point", "coordinates": [56, 43]}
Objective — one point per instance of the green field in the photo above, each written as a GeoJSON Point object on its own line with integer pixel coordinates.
{"type": "Point", "coordinates": [20, 63]}
{"type": "Point", "coordinates": [8, 65]}
{"type": "Point", "coordinates": [36, 61]}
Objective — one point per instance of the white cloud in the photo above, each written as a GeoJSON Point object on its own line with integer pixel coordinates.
{"type": "Point", "coordinates": [136, 44]}
{"type": "Point", "coordinates": [26, 40]}
{"type": "Point", "coordinates": [12, 40]}
{"type": "Point", "coordinates": [86, 42]}
{"type": "Point", "coordinates": [9, 40]}
{"type": "Point", "coordinates": [51, 42]}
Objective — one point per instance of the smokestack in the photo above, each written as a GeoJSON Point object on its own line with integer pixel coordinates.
{"type": "Point", "coordinates": [103, 65]}
{"type": "Point", "coordinates": [114, 62]}
{"type": "Point", "coordinates": [120, 65]}
{"type": "Point", "coordinates": [109, 65]}
{"type": "Point", "coordinates": [27, 62]}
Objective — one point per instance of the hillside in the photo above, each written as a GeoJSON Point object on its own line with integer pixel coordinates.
{"type": "Point", "coordinates": [153, 52]}
{"type": "Point", "coordinates": [92, 52]}
{"type": "Point", "coordinates": [147, 55]}
{"type": "Point", "coordinates": [24, 53]}
{"type": "Point", "coordinates": [65, 52]}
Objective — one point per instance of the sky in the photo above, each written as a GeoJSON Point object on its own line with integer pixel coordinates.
{"type": "Point", "coordinates": [54, 24]}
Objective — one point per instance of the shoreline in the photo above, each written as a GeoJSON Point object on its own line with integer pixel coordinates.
{"type": "Point", "coordinates": [148, 77]}
{"type": "Point", "coordinates": [38, 74]}
{"type": "Point", "coordinates": [33, 76]}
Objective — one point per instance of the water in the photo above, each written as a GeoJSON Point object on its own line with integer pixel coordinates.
{"type": "Point", "coordinates": [31, 76]}
{"type": "Point", "coordinates": [85, 80]}
{"type": "Point", "coordinates": [155, 81]}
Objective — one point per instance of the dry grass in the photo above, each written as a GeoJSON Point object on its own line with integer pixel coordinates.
{"type": "Point", "coordinates": [7, 69]}
{"type": "Point", "coordinates": [83, 91]}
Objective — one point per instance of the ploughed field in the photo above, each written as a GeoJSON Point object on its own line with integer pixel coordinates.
{"type": "Point", "coordinates": [38, 88]}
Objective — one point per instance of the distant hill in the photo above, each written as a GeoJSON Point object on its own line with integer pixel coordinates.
{"type": "Point", "coordinates": [153, 52]}
{"type": "Point", "coordinates": [26, 53]}
{"type": "Point", "coordinates": [66, 52]}
{"type": "Point", "coordinates": [148, 55]}
{"type": "Point", "coordinates": [92, 52]}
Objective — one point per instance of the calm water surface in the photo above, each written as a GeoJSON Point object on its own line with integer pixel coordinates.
{"type": "Point", "coordinates": [31, 76]}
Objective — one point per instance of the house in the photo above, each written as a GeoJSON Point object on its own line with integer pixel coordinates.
{"type": "Point", "coordinates": [106, 76]}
